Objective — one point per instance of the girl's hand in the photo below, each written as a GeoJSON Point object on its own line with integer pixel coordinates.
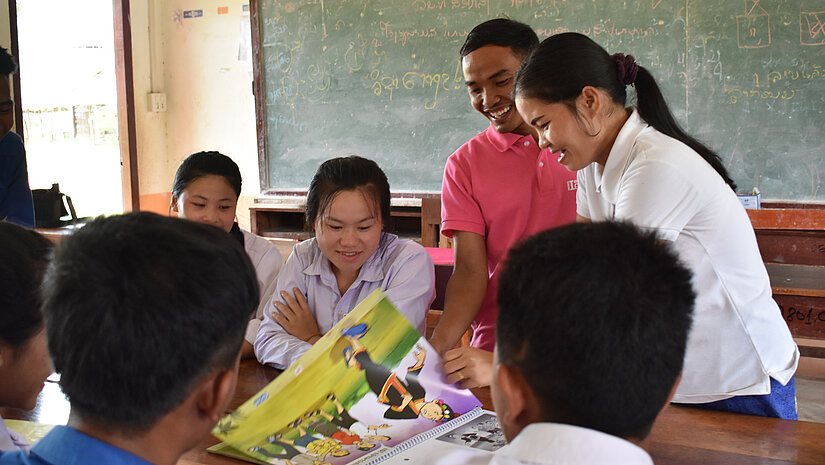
{"type": "Point", "coordinates": [472, 367]}
{"type": "Point", "coordinates": [295, 316]}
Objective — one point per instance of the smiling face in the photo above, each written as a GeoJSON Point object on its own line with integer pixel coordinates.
{"type": "Point", "coordinates": [208, 199]}
{"type": "Point", "coordinates": [348, 233]}
{"type": "Point", "coordinates": [432, 411]}
{"type": "Point", "coordinates": [560, 131]}
{"type": "Point", "coordinates": [489, 72]}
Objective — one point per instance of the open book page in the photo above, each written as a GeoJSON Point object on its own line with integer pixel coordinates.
{"type": "Point", "coordinates": [30, 430]}
{"type": "Point", "coordinates": [368, 385]}
{"type": "Point", "coordinates": [478, 434]}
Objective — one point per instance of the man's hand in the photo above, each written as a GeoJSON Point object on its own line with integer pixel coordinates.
{"type": "Point", "coordinates": [468, 366]}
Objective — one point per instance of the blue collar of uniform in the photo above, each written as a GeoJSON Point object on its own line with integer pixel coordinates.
{"type": "Point", "coordinates": [68, 446]}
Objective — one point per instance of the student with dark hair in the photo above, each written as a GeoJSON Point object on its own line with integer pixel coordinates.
{"type": "Point", "coordinates": [16, 204]}
{"type": "Point", "coordinates": [351, 255]}
{"type": "Point", "coordinates": [206, 190]}
{"type": "Point", "coordinates": [636, 164]}
{"type": "Point", "coordinates": [144, 319]}
{"type": "Point", "coordinates": [24, 360]}
{"type": "Point", "coordinates": [498, 188]}
{"type": "Point", "coordinates": [593, 325]}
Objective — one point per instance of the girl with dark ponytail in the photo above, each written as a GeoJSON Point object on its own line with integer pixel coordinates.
{"type": "Point", "coordinates": [638, 165]}
{"type": "Point", "coordinates": [590, 65]}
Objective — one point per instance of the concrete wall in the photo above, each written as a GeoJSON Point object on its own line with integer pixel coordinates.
{"type": "Point", "coordinates": [210, 105]}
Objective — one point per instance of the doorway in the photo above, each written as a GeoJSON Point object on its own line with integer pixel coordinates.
{"type": "Point", "coordinates": [69, 98]}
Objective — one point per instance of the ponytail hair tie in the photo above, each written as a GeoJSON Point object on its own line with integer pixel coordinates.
{"type": "Point", "coordinates": [627, 67]}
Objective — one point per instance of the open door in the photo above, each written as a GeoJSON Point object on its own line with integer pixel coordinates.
{"type": "Point", "coordinates": [75, 61]}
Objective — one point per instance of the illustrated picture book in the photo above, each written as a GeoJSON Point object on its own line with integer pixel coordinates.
{"type": "Point", "coordinates": [370, 389]}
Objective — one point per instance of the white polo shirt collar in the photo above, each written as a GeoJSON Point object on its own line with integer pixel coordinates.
{"type": "Point", "coordinates": [608, 178]}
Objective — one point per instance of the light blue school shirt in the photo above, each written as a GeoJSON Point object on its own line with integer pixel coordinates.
{"type": "Point", "coordinates": [401, 268]}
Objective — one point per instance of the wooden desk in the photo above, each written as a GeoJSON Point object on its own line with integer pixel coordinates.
{"type": "Point", "coordinates": [681, 435]}
{"type": "Point", "coordinates": [791, 240]}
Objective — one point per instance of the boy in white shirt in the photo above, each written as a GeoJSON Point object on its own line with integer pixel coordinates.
{"type": "Point", "coordinates": [590, 345]}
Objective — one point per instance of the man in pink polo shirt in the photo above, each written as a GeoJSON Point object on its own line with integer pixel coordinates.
{"type": "Point", "coordinates": [498, 188]}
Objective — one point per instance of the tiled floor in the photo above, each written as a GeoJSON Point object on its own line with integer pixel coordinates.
{"type": "Point", "coordinates": [810, 398]}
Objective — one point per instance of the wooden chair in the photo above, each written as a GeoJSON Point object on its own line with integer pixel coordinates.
{"type": "Point", "coordinates": [444, 262]}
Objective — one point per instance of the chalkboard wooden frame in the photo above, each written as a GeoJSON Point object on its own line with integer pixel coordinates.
{"type": "Point", "coordinates": [258, 92]}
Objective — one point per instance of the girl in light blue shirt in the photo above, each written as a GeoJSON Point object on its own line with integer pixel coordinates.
{"type": "Point", "coordinates": [351, 255]}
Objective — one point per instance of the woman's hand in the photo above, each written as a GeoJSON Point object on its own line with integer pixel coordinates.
{"type": "Point", "coordinates": [295, 316]}
{"type": "Point", "coordinates": [470, 366]}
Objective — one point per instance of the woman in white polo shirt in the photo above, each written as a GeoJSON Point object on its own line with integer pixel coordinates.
{"type": "Point", "coordinates": [637, 164]}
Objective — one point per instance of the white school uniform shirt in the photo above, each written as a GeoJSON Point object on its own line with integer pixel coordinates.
{"type": "Point", "coordinates": [401, 268]}
{"type": "Point", "coordinates": [267, 261]}
{"type": "Point", "coordinates": [555, 444]}
{"type": "Point", "coordinates": [738, 340]}
{"type": "Point", "coordinates": [11, 440]}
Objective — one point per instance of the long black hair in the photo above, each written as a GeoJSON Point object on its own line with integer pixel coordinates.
{"type": "Point", "coordinates": [563, 64]}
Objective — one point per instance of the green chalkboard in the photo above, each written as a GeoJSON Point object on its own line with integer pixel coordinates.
{"type": "Point", "coordinates": [382, 79]}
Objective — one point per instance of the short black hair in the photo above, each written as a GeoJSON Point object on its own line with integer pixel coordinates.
{"type": "Point", "coordinates": [596, 316]}
{"type": "Point", "coordinates": [503, 32]}
{"type": "Point", "coordinates": [139, 307]}
{"type": "Point", "coordinates": [24, 256]}
{"type": "Point", "coordinates": [344, 174]}
{"type": "Point", "coordinates": [203, 164]}
{"type": "Point", "coordinates": [8, 64]}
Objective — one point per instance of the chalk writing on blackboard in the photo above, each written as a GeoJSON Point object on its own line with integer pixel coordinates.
{"type": "Point", "coordinates": [382, 78]}
{"type": "Point", "coordinates": [812, 28]}
{"type": "Point", "coordinates": [753, 29]}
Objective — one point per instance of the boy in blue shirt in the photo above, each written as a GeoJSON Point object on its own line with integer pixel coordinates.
{"type": "Point", "coordinates": [144, 319]}
{"type": "Point", "coordinates": [16, 205]}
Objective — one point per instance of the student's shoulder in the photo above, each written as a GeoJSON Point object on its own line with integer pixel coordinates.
{"type": "Point", "coordinates": [258, 245]}
{"type": "Point", "coordinates": [397, 249]}
{"type": "Point", "coordinates": [254, 241]}
{"type": "Point", "coordinates": [11, 146]}
{"type": "Point", "coordinates": [651, 145]}
{"type": "Point", "coordinates": [479, 146]}
{"type": "Point", "coordinates": [306, 251]}
{"type": "Point", "coordinates": [665, 156]}
{"type": "Point", "coordinates": [17, 457]}
{"type": "Point", "coordinates": [12, 138]}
